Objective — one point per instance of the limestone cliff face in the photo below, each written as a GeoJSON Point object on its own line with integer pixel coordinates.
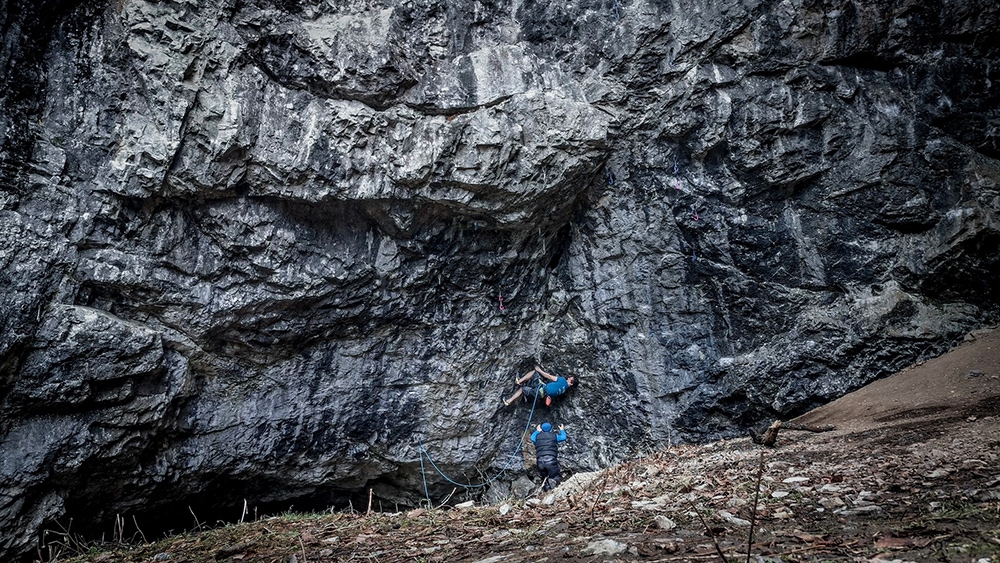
{"type": "Point", "coordinates": [261, 249]}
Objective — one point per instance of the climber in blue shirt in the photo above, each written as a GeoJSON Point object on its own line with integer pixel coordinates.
{"type": "Point", "coordinates": [557, 385]}
{"type": "Point", "coordinates": [547, 453]}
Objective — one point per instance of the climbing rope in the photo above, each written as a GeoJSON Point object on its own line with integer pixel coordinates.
{"type": "Point", "coordinates": [510, 460]}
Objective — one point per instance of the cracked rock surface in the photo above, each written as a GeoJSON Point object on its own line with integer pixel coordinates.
{"type": "Point", "coordinates": [263, 249]}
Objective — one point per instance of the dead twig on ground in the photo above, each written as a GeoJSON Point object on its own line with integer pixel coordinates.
{"type": "Point", "coordinates": [197, 523]}
{"type": "Point", "coordinates": [447, 498]}
{"type": "Point", "coordinates": [756, 499]}
{"type": "Point", "coordinates": [139, 530]}
{"type": "Point", "coordinates": [770, 436]}
{"type": "Point", "coordinates": [711, 534]}
{"type": "Point", "coordinates": [597, 497]}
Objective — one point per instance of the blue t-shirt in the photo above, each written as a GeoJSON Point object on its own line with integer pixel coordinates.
{"type": "Point", "coordinates": [557, 387]}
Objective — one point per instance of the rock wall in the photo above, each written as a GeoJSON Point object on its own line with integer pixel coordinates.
{"type": "Point", "coordinates": [263, 249]}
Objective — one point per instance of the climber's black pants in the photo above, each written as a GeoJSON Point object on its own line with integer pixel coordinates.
{"type": "Point", "coordinates": [548, 469]}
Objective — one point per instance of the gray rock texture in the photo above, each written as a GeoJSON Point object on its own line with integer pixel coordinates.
{"type": "Point", "coordinates": [264, 249]}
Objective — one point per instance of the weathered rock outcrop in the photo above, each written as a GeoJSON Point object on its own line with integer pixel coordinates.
{"type": "Point", "coordinates": [262, 249]}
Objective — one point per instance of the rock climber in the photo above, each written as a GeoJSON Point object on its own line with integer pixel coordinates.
{"type": "Point", "coordinates": [557, 385]}
{"type": "Point", "coordinates": [531, 384]}
{"type": "Point", "coordinates": [547, 453]}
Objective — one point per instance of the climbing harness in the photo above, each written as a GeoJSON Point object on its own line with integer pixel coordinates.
{"type": "Point", "coordinates": [501, 302]}
{"type": "Point", "coordinates": [510, 460]}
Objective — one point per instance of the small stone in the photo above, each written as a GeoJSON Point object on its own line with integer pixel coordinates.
{"type": "Point", "coordinates": [549, 500]}
{"type": "Point", "coordinates": [974, 373]}
{"type": "Point", "coordinates": [831, 502]}
{"type": "Point", "coordinates": [864, 509]}
{"type": "Point", "coordinates": [792, 480]}
{"type": "Point", "coordinates": [664, 523]}
{"type": "Point", "coordinates": [466, 504]}
{"type": "Point", "coordinates": [779, 494]}
{"type": "Point", "coordinates": [972, 418]}
{"type": "Point", "coordinates": [734, 520]}
{"type": "Point", "coordinates": [415, 513]}
{"type": "Point", "coordinates": [938, 473]}
{"type": "Point", "coordinates": [604, 547]}
{"type": "Point", "coordinates": [164, 556]}
{"type": "Point", "coordinates": [830, 488]}
{"type": "Point", "coordinates": [504, 509]}
{"type": "Point", "coordinates": [645, 505]}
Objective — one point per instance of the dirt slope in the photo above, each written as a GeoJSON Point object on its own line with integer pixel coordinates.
{"type": "Point", "coordinates": [964, 382]}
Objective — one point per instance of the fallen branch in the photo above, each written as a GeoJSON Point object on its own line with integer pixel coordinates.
{"type": "Point", "coordinates": [708, 530]}
{"type": "Point", "coordinates": [756, 499]}
{"type": "Point", "coordinates": [597, 497]}
{"type": "Point", "coordinates": [770, 436]}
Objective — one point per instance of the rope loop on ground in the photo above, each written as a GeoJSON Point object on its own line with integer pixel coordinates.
{"type": "Point", "coordinates": [510, 460]}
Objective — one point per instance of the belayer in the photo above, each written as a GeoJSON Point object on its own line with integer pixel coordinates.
{"type": "Point", "coordinates": [531, 384]}
{"type": "Point", "coordinates": [547, 453]}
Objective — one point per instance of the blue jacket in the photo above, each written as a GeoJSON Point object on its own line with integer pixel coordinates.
{"type": "Point", "coordinates": [557, 387]}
